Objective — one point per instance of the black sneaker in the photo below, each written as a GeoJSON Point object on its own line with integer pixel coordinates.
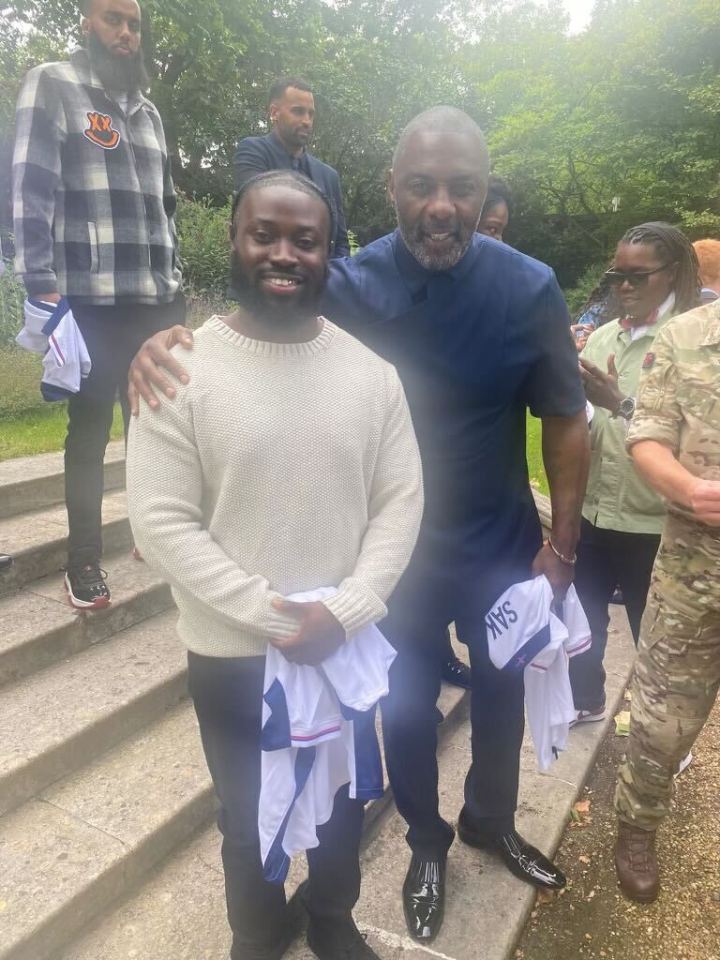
{"type": "Point", "coordinates": [86, 587]}
{"type": "Point", "coordinates": [5, 562]}
{"type": "Point", "coordinates": [338, 940]}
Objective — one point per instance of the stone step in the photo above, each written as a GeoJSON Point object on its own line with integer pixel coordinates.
{"type": "Point", "coordinates": [53, 722]}
{"type": "Point", "coordinates": [33, 483]}
{"type": "Point", "coordinates": [38, 627]}
{"type": "Point", "coordinates": [37, 540]}
{"type": "Point", "coordinates": [82, 843]}
{"type": "Point", "coordinates": [179, 912]}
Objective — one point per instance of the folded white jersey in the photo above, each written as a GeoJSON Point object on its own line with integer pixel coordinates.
{"type": "Point", "coordinates": [528, 631]}
{"type": "Point", "coordinates": [36, 314]}
{"type": "Point", "coordinates": [318, 734]}
{"type": "Point", "coordinates": [67, 362]}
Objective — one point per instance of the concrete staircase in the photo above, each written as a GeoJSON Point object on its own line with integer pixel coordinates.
{"type": "Point", "coordinates": [102, 777]}
{"type": "Point", "coordinates": [107, 845]}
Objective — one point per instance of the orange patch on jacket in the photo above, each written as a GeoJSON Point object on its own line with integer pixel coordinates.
{"type": "Point", "coordinates": [101, 131]}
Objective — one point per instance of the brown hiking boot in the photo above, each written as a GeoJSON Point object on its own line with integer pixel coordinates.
{"type": "Point", "coordinates": [636, 863]}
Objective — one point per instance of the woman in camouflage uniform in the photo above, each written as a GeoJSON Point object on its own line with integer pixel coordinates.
{"type": "Point", "coordinates": [675, 443]}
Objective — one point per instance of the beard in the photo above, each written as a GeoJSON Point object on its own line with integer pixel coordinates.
{"type": "Point", "coordinates": [414, 239]}
{"type": "Point", "coordinates": [121, 74]}
{"type": "Point", "coordinates": [246, 291]}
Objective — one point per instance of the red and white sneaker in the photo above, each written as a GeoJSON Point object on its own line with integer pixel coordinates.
{"type": "Point", "coordinates": [589, 716]}
{"type": "Point", "coordinates": [86, 587]}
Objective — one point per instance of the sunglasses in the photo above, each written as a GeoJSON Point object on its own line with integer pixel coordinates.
{"type": "Point", "coordinates": [616, 278]}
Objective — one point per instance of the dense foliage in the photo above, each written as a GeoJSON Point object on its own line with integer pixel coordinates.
{"type": "Point", "coordinates": [595, 132]}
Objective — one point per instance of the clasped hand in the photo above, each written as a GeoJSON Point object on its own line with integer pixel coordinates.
{"type": "Point", "coordinates": [318, 636]}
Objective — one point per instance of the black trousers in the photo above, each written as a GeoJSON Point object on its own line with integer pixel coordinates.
{"type": "Point", "coordinates": [227, 693]}
{"type": "Point", "coordinates": [113, 335]}
{"type": "Point", "coordinates": [416, 626]}
{"type": "Point", "coordinates": [607, 559]}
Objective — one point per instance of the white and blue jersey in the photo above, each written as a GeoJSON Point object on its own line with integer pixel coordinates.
{"type": "Point", "coordinates": [524, 633]}
{"type": "Point", "coordinates": [318, 734]}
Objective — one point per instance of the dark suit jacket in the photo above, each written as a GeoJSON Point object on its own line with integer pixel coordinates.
{"type": "Point", "coordinates": [259, 154]}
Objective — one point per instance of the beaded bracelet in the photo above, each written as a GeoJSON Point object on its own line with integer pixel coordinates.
{"type": "Point", "coordinates": [569, 561]}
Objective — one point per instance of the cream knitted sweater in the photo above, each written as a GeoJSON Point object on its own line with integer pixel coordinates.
{"type": "Point", "coordinates": [278, 468]}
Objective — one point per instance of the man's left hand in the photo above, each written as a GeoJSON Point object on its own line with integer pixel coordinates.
{"type": "Point", "coordinates": [318, 637]}
{"type": "Point", "coordinates": [601, 389]}
{"type": "Point", "coordinates": [558, 573]}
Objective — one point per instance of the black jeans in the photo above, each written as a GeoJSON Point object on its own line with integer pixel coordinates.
{"type": "Point", "coordinates": [227, 693]}
{"type": "Point", "coordinates": [607, 559]}
{"type": "Point", "coordinates": [113, 335]}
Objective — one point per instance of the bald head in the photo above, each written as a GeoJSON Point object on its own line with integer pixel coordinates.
{"type": "Point", "coordinates": [90, 6]}
{"type": "Point", "coordinates": [444, 120]}
{"type": "Point", "coordinates": [438, 185]}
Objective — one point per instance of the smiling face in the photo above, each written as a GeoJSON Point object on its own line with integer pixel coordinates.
{"type": "Point", "coordinates": [438, 187]}
{"type": "Point", "coordinates": [639, 298]}
{"type": "Point", "coordinates": [281, 239]}
{"type": "Point", "coordinates": [116, 25]}
{"type": "Point", "coordinates": [292, 116]}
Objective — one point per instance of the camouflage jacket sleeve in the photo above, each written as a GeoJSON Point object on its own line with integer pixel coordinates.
{"type": "Point", "coordinates": [657, 412]}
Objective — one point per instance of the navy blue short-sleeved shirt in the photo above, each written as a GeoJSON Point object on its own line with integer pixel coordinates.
{"type": "Point", "coordinates": [475, 347]}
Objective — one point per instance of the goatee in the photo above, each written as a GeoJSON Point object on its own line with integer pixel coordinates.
{"type": "Point", "coordinates": [251, 298]}
{"type": "Point", "coordinates": [429, 259]}
{"type": "Point", "coordinates": [122, 74]}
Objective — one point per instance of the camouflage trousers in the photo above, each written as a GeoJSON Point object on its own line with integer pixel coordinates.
{"type": "Point", "coordinates": [677, 671]}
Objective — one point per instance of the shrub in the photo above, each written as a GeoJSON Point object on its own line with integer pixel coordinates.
{"type": "Point", "coordinates": [578, 295]}
{"type": "Point", "coordinates": [12, 295]}
{"type": "Point", "coordinates": [204, 245]}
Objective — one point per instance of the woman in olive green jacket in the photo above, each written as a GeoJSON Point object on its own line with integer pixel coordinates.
{"type": "Point", "coordinates": [654, 277]}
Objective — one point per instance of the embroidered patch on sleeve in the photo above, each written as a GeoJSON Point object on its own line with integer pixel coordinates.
{"type": "Point", "coordinates": [648, 361]}
{"type": "Point", "coordinates": [101, 131]}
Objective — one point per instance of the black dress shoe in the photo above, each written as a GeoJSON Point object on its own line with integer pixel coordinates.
{"type": "Point", "coordinates": [424, 898]}
{"type": "Point", "coordinates": [457, 673]}
{"type": "Point", "coordinates": [520, 857]}
{"type": "Point", "coordinates": [338, 940]}
{"type": "Point", "coordinates": [5, 562]}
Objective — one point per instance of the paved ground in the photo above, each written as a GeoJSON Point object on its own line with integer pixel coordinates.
{"type": "Point", "coordinates": [592, 920]}
{"type": "Point", "coordinates": [487, 907]}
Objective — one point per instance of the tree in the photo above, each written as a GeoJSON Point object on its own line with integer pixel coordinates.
{"type": "Point", "coordinates": [595, 132]}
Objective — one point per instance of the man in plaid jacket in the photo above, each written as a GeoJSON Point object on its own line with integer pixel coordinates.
{"type": "Point", "coordinates": [94, 207]}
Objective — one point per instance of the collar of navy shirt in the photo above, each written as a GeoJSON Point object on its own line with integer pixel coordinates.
{"type": "Point", "coordinates": [417, 278]}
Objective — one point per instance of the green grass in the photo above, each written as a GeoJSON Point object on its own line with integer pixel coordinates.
{"type": "Point", "coordinates": [41, 431]}
{"type": "Point", "coordinates": [534, 455]}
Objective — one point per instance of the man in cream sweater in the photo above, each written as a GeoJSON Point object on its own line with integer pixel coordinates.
{"type": "Point", "coordinates": [288, 462]}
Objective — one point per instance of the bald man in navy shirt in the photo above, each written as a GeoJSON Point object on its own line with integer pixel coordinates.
{"type": "Point", "coordinates": [479, 334]}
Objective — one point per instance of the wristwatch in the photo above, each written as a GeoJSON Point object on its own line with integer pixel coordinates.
{"type": "Point", "coordinates": [626, 408]}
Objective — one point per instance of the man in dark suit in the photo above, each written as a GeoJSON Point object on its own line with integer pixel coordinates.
{"type": "Point", "coordinates": [292, 114]}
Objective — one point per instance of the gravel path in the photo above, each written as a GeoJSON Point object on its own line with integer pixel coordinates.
{"type": "Point", "coordinates": [592, 920]}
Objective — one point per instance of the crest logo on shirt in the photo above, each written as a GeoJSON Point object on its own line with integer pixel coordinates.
{"type": "Point", "coordinates": [648, 361]}
{"type": "Point", "coordinates": [101, 131]}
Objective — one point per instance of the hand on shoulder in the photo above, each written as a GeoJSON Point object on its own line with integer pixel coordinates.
{"type": "Point", "coordinates": [153, 361]}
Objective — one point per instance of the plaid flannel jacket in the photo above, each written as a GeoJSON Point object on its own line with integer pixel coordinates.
{"type": "Point", "coordinates": [93, 198]}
